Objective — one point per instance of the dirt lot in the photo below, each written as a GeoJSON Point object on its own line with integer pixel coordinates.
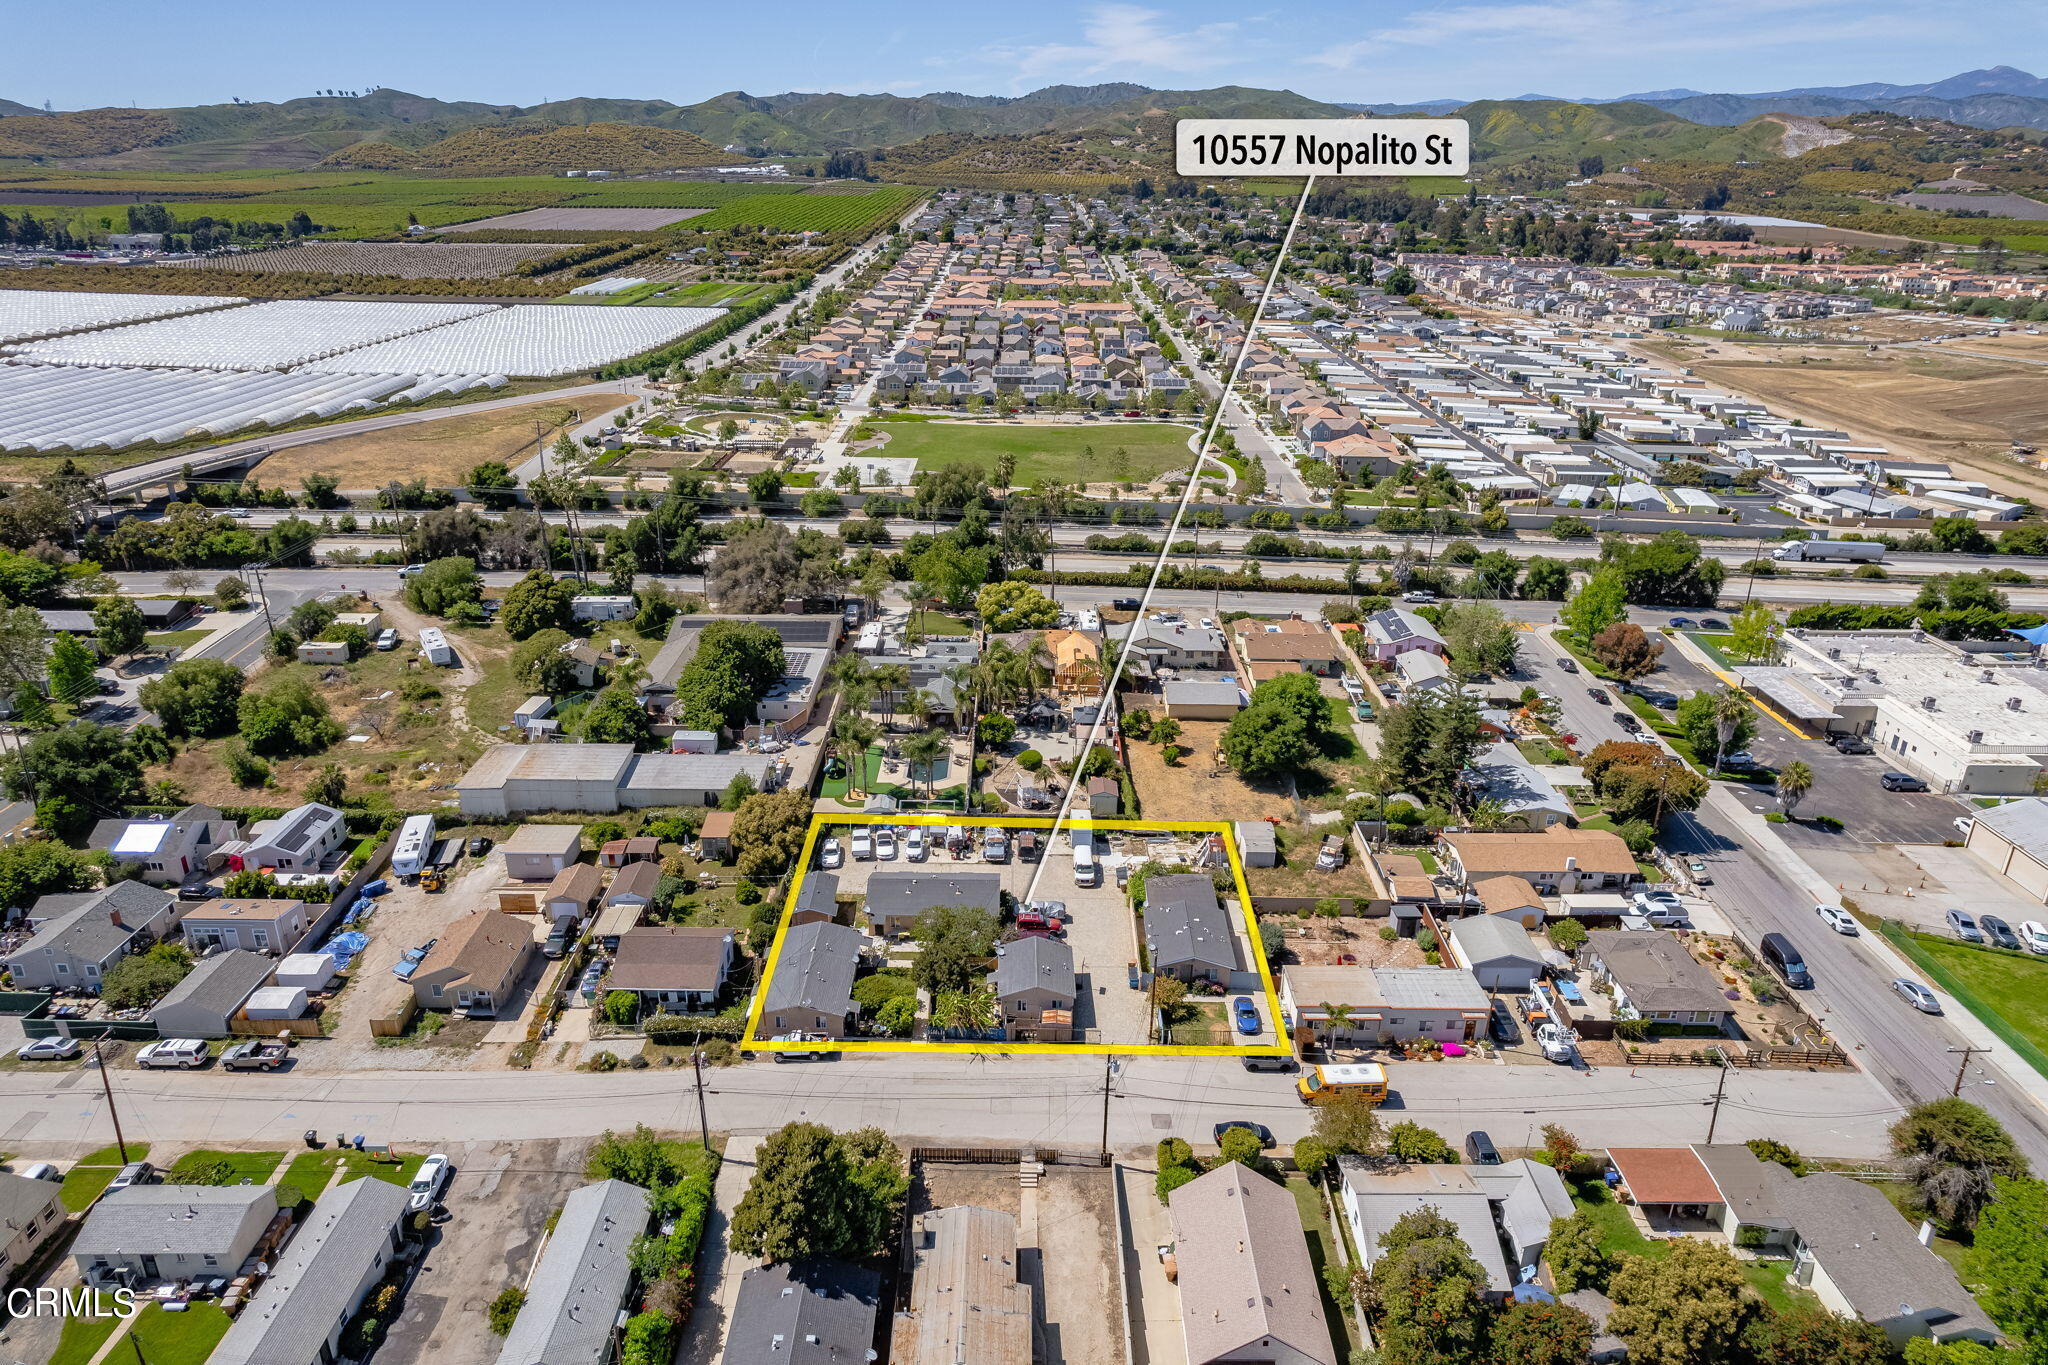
{"type": "Point", "coordinates": [442, 451]}
{"type": "Point", "coordinates": [501, 1197]}
{"type": "Point", "coordinates": [1316, 942]}
{"type": "Point", "coordinates": [1919, 401]}
{"type": "Point", "coordinates": [582, 220]}
{"type": "Point", "coordinates": [1074, 1217]}
{"type": "Point", "coordinates": [1197, 789]}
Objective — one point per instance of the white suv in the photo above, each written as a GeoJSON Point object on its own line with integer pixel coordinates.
{"type": "Point", "coordinates": [183, 1053]}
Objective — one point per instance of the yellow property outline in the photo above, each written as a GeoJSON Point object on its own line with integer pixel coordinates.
{"type": "Point", "coordinates": [754, 1042]}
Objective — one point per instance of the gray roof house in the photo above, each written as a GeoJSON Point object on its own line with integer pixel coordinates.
{"type": "Point", "coordinates": [1033, 975]}
{"type": "Point", "coordinates": [1256, 843]}
{"type": "Point", "coordinates": [1187, 932]}
{"type": "Point", "coordinates": [812, 989]}
{"type": "Point", "coordinates": [30, 1210]}
{"type": "Point", "coordinates": [146, 1233]}
{"type": "Point", "coordinates": [1246, 1284]}
{"type": "Point", "coordinates": [213, 992]}
{"type": "Point", "coordinates": [1526, 797]}
{"type": "Point", "coordinates": [1496, 950]}
{"type": "Point", "coordinates": [1201, 698]}
{"type": "Point", "coordinates": [341, 1252]}
{"type": "Point", "coordinates": [1526, 1195]}
{"type": "Point", "coordinates": [897, 896]}
{"type": "Point", "coordinates": [1654, 978]}
{"type": "Point", "coordinates": [581, 1281]}
{"type": "Point", "coordinates": [300, 840]}
{"type": "Point", "coordinates": [1375, 1195]}
{"type": "Point", "coordinates": [812, 1313]}
{"type": "Point", "coordinates": [78, 937]}
{"type": "Point", "coordinates": [169, 849]}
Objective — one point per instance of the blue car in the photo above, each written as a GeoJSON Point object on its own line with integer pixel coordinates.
{"type": "Point", "coordinates": [1246, 1014]}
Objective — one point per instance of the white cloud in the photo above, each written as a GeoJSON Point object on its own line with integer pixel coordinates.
{"type": "Point", "coordinates": [1123, 39]}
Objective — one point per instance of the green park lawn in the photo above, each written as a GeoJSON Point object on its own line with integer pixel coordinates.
{"type": "Point", "coordinates": [2007, 990]}
{"type": "Point", "coordinates": [1081, 453]}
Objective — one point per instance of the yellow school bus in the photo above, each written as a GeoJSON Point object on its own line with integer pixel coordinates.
{"type": "Point", "coordinates": [1320, 1083]}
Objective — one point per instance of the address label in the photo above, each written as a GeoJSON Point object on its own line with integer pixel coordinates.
{"type": "Point", "coordinates": [1323, 146]}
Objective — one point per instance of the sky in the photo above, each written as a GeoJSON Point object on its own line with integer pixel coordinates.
{"type": "Point", "coordinates": [525, 51]}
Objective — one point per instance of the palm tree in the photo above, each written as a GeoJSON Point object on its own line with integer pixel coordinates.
{"type": "Point", "coordinates": [851, 735]}
{"type": "Point", "coordinates": [888, 680]}
{"type": "Point", "coordinates": [925, 749]}
{"type": "Point", "coordinates": [1730, 707]}
{"type": "Point", "coordinates": [1338, 1015]}
{"type": "Point", "coordinates": [920, 704]}
{"type": "Point", "coordinates": [1795, 780]}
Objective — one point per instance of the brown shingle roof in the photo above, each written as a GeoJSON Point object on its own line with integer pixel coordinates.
{"type": "Point", "coordinates": [1244, 1269]}
{"type": "Point", "coordinates": [1498, 894]}
{"type": "Point", "coordinates": [674, 957]}
{"type": "Point", "coordinates": [578, 881]}
{"type": "Point", "coordinates": [1664, 1175]}
{"type": "Point", "coordinates": [481, 947]}
{"type": "Point", "coordinates": [634, 879]}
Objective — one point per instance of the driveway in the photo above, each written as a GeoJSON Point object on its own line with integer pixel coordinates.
{"type": "Point", "coordinates": [1103, 935]}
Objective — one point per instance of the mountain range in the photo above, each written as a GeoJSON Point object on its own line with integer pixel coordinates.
{"type": "Point", "coordinates": [1115, 122]}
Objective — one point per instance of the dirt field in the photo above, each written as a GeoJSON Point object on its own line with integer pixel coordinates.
{"type": "Point", "coordinates": [441, 451]}
{"type": "Point", "coordinates": [1316, 942]}
{"type": "Point", "coordinates": [1069, 1261]}
{"type": "Point", "coordinates": [583, 220]}
{"type": "Point", "coordinates": [1926, 402]}
{"type": "Point", "coordinates": [1190, 792]}
{"type": "Point", "coordinates": [410, 260]}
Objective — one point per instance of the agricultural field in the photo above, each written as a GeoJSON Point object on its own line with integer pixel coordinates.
{"type": "Point", "coordinates": [812, 212]}
{"type": "Point", "coordinates": [442, 451]}
{"type": "Point", "coordinates": [406, 260]}
{"type": "Point", "coordinates": [344, 219]}
{"type": "Point", "coordinates": [661, 294]}
{"type": "Point", "coordinates": [1071, 454]}
{"type": "Point", "coordinates": [575, 219]}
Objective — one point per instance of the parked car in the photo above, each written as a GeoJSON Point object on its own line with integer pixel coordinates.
{"type": "Point", "coordinates": [1660, 907]}
{"type": "Point", "coordinates": [1963, 926]}
{"type": "Point", "coordinates": [134, 1173]}
{"type": "Point", "coordinates": [1245, 1015]}
{"type": "Point", "coordinates": [1850, 744]}
{"type": "Point", "coordinates": [479, 845]}
{"type": "Point", "coordinates": [258, 1054]}
{"type": "Point", "coordinates": [1916, 995]}
{"type": "Point", "coordinates": [183, 1053]}
{"type": "Point", "coordinates": [914, 846]}
{"type": "Point", "coordinates": [557, 945]}
{"type": "Point", "coordinates": [1901, 782]}
{"type": "Point", "coordinates": [1684, 623]}
{"type": "Point", "coordinates": [1709, 623]}
{"type": "Point", "coordinates": [863, 845]}
{"type": "Point", "coordinates": [1554, 1042]}
{"type": "Point", "coordinates": [1479, 1149]}
{"type": "Point", "coordinates": [2034, 936]}
{"type": "Point", "coordinates": [387, 638]}
{"type": "Point", "coordinates": [885, 844]}
{"type": "Point", "coordinates": [1779, 953]}
{"type": "Point", "coordinates": [51, 1049]}
{"type": "Point", "coordinates": [996, 847]}
{"type": "Point", "coordinates": [1962, 825]}
{"type": "Point", "coordinates": [1271, 1064]}
{"type": "Point", "coordinates": [41, 1170]}
{"type": "Point", "coordinates": [1257, 1130]}
{"type": "Point", "coordinates": [592, 975]}
{"type": "Point", "coordinates": [1837, 919]}
{"type": "Point", "coordinates": [1419, 595]}
{"type": "Point", "coordinates": [1999, 932]}
{"type": "Point", "coordinates": [427, 1182]}
{"type": "Point", "coordinates": [830, 855]}
{"type": "Point", "coordinates": [1568, 665]}
{"type": "Point", "coordinates": [1028, 847]}
{"type": "Point", "coordinates": [198, 891]}
{"type": "Point", "coordinates": [1599, 694]}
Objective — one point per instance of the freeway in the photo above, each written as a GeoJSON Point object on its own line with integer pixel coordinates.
{"type": "Point", "coordinates": [1762, 886]}
{"type": "Point", "coordinates": [946, 1099]}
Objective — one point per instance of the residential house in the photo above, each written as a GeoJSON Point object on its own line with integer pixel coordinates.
{"type": "Point", "coordinates": [807, 1313]}
{"type": "Point", "coordinates": [476, 965]}
{"type": "Point", "coordinates": [1201, 699]}
{"type": "Point", "coordinates": [343, 1249]}
{"type": "Point", "coordinates": [966, 1302]}
{"type": "Point", "coordinates": [1248, 1290]}
{"type": "Point", "coordinates": [30, 1210]}
{"type": "Point", "coordinates": [626, 901]}
{"type": "Point", "coordinates": [78, 937]}
{"type": "Point", "coordinates": [300, 840]}
{"type": "Point", "coordinates": [1526, 1197]}
{"type": "Point", "coordinates": [1076, 663]}
{"type": "Point", "coordinates": [898, 896]}
{"type": "Point", "coordinates": [1671, 1185]}
{"type": "Point", "coordinates": [1104, 797]}
{"type": "Point", "coordinates": [1386, 635]}
{"type": "Point", "coordinates": [539, 853]}
{"type": "Point", "coordinates": [148, 1233]}
{"type": "Point", "coordinates": [812, 989]}
{"type": "Point", "coordinates": [1273, 648]}
{"type": "Point", "coordinates": [1510, 898]}
{"type": "Point", "coordinates": [272, 926]}
{"type": "Point", "coordinates": [1556, 861]}
{"type": "Point", "coordinates": [1528, 800]}
{"type": "Point", "coordinates": [572, 893]}
{"type": "Point", "coordinates": [212, 995]}
{"type": "Point", "coordinates": [169, 849]}
{"type": "Point", "coordinates": [1382, 1004]}
{"type": "Point", "coordinates": [1421, 671]}
{"type": "Point", "coordinates": [1375, 1195]}
{"type": "Point", "coordinates": [673, 967]}
{"type": "Point", "coordinates": [1653, 977]}
{"type": "Point", "coordinates": [1034, 982]}
{"type": "Point", "coordinates": [643, 848]}
{"type": "Point", "coordinates": [1187, 931]}
{"type": "Point", "coordinates": [817, 901]}
{"type": "Point", "coordinates": [580, 1283]}
{"type": "Point", "coordinates": [1495, 949]}
{"type": "Point", "coordinates": [714, 839]}
{"type": "Point", "coordinates": [1154, 645]}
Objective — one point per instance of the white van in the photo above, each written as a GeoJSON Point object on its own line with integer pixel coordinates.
{"type": "Point", "coordinates": [1086, 870]}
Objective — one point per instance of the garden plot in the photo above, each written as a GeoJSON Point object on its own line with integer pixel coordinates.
{"type": "Point", "coordinates": [51, 408]}
{"type": "Point", "coordinates": [540, 339]}
{"type": "Point", "coordinates": [26, 314]}
{"type": "Point", "coordinates": [263, 336]}
{"type": "Point", "coordinates": [403, 260]}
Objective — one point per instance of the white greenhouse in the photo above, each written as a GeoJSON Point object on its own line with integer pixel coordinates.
{"type": "Point", "coordinates": [26, 314]}
{"type": "Point", "coordinates": [527, 339]}
{"type": "Point", "coordinates": [263, 336]}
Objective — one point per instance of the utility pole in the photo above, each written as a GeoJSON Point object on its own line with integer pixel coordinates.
{"type": "Point", "coordinates": [255, 571]}
{"type": "Point", "coordinates": [1108, 1071]}
{"type": "Point", "coordinates": [1720, 1088]}
{"type": "Point", "coordinates": [1964, 1065]}
{"type": "Point", "coordinates": [112, 1112]}
{"type": "Point", "coordinates": [703, 1118]}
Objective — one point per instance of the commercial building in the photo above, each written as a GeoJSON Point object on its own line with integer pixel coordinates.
{"type": "Point", "coordinates": [525, 779]}
{"type": "Point", "coordinates": [2013, 840]}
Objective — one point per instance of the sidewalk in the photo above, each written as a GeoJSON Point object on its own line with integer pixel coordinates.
{"type": "Point", "coordinates": [718, 1270]}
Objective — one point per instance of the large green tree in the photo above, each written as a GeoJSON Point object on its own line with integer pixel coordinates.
{"type": "Point", "coordinates": [817, 1193]}
{"type": "Point", "coordinates": [1011, 605]}
{"type": "Point", "coordinates": [71, 667]}
{"type": "Point", "coordinates": [617, 717]}
{"type": "Point", "coordinates": [33, 868]}
{"type": "Point", "coordinates": [768, 832]}
{"type": "Point", "coordinates": [2008, 1261]}
{"type": "Point", "coordinates": [1600, 602]}
{"type": "Point", "coordinates": [75, 776]}
{"type": "Point", "coordinates": [1687, 1307]}
{"type": "Point", "coordinates": [537, 602]}
{"type": "Point", "coordinates": [954, 946]}
{"type": "Point", "coordinates": [1807, 1334]}
{"type": "Point", "coordinates": [1428, 739]}
{"type": "Point", "coordinates": [119, 625]}
{"type": "Point", "coordinates": [1954, 1153]}
{"type": "Point", "coordinates": [1282, 729]}
{"type": "Point", "coordinates": [286, 718]}
{"type": "Point", "coordinates": [734, 666]}
{"type": "Point", "coordinates": [1716, 723]}
{"type": "Point", "coordinates": [441, 587]}
{"type": "Point", "coordinates": [195, 697]}
{"type": "Point", "coordinates": [1577, 1253]}
{"type": "Point", "coordinates": [542, 663]}
{"type": "Point", "coordinates": [1542, 1334]}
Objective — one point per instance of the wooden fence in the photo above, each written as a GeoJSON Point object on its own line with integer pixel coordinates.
{"type": "Point", "coordinates": [1007, 1156]}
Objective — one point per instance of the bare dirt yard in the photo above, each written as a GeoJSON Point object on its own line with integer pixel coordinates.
{"type": "Point", "coordinates": [1919, 401]}
{"type": "Point", "coordinates": [441, 451]}
{"type": "Point", "coordinates": [1313, 941]}
{"type": "Point", "coordinates": [1197, 788]}
{"type": "Point", "coordinates": [1067, 1231]}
